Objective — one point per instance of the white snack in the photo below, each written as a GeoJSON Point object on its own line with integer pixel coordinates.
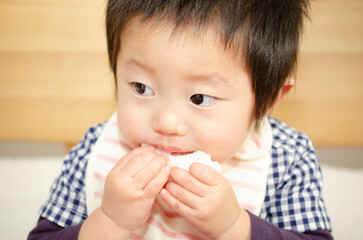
{"type": "Point", "coordinates": [185, 161]}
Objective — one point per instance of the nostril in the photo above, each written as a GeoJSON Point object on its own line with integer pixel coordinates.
{"type": "Point", "coordinates": [166, 133]}
{"type": "Point", "coordinates": [171, 131]}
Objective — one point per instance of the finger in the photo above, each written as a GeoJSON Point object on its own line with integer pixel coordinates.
{"type": "Point", "coordinates": [124, 160]}
{"type": "Point", "coordinates": [149, 171]}
{"type": "Point", "coordinates": [138, 162]}
{"type": "Point", "coordinates": [183, 195]}
{"type": "Point", "coordinates": [174, 203]}
{"type": "Point", "coordinates": [154, 186]}
{"type": "Point", "coordinates": [205, 174]}
{"type": "Point", "coordinates": [187, 181]}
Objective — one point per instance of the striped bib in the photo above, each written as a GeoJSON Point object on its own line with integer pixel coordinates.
{"type": "Point", "coordinates": [246, 171]}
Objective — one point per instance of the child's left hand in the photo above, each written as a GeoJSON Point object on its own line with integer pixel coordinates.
{"type": "Point", "coordinates": [204, 198]}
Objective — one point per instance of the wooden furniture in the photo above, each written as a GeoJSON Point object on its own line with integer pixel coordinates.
{"type": "Point", "coordinates": [55, 79]}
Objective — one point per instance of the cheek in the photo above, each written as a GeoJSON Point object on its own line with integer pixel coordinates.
{"type": "Point", "coordinates": [130, 124]}
{"type": "Point", "coordinates": [227, 143]}
{"type": "Point", "coordinates": [223, 138]}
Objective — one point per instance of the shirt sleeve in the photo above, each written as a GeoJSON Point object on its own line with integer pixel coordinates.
{"type": "Point", "coordinates": [294, 199]}
{"type": "Point", "coordinates": [261, 230]}
{"type": "Point", "coordinates": [66, 205]}
{"type": "Point", "coordinates": [46, 229]}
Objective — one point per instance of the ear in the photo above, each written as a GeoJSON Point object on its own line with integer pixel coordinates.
{"type": "Point", "coordinates": [289, 84]}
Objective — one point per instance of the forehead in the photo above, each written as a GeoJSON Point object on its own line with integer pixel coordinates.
{"type": "Point", "coordinates": [209, 36]}
{"type": "Point", "coordinates": [160, 52]}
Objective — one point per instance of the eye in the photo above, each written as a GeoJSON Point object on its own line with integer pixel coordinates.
{"type": "Point", "coordinates": [142, 89]}
{"type": "Point", "coordinates": [202, 100]}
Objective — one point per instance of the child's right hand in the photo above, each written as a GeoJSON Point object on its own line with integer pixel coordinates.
{"type": "Point", "coordinates": [132, 185]}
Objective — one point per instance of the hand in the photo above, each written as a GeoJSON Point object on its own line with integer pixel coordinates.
{"type": "Point", "coordinates": [204, 198]}
{"type": "Point", "coordinates": [132, 185]}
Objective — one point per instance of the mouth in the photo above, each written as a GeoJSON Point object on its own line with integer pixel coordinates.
{"type": "Point", "coordinates": [177, 159]}
{"type": "Point", "coordinates": [180, 153]}
{"type": "Point", "coordinates": [174, 151]}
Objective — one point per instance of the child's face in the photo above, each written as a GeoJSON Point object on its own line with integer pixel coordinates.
{"type": "Point", "coordinates": [182, 93]}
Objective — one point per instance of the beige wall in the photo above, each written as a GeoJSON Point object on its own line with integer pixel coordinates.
{"type": "Point", "coordinates": [55, 81]}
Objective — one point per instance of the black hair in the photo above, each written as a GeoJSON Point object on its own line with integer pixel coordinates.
{"type": "Point", "coordinates": [264, 34]}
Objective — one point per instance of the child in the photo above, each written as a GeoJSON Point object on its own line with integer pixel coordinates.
{"type": "Point", "coordinates": [194, 75]}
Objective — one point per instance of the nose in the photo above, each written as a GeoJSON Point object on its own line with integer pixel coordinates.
{"type": "Point", "coordinates": [170, 123]}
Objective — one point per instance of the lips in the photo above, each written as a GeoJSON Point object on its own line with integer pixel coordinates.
{"type": "Point", "coordinates": [171, 150]}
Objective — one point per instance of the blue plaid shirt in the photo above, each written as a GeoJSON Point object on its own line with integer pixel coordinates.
{"type": "Point", "coordinates": [293, 191]}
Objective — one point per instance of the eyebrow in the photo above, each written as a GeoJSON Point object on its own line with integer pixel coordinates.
{"type": "Point", "coordinates": [213, 78]}
{"type": "Point", "coordinates": [134, 62]}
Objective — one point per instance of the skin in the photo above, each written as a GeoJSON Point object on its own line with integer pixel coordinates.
{"type": "Point", "coordinates": [180, 93]}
